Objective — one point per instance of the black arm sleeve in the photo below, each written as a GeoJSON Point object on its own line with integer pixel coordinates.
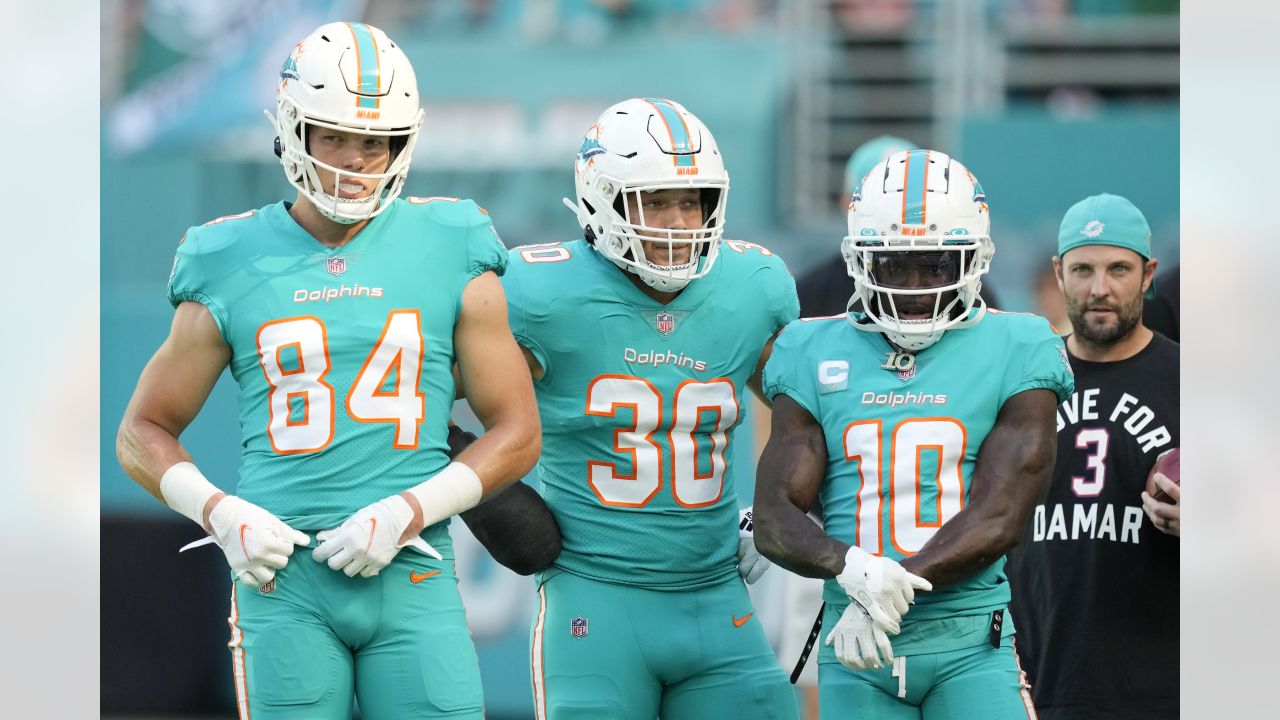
{"type": "Point", "coordinates": [514, 525]}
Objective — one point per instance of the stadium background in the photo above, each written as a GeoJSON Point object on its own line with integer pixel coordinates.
{"type": "Point", "coordinates": [1046, 101]}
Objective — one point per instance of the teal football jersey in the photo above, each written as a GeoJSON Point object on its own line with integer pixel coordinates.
{"type": "Point", "coordinates": [343, 355]}
{"type": "Point", "coordinates": [902, 443]}
{"type": "Point", "coordinates": [639, 405]}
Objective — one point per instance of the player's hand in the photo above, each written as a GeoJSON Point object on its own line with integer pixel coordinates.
{"type": "Point", "coordinates": [1167, 517]}
{"type": "Point", "coordinates": [256, 543]}
{"type": "Point", "coordinates": [368, 540]}
{"type": "Point", "coordinates": [751, 564]}
{"type": "Point", "coordinates": [881, 586]}
{"type": "Point", "coordinates": [860, 643]}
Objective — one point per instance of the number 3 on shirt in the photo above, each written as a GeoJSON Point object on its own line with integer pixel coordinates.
{"type": "Point", "coordinates": [692, 488]}
{"type": "Point", "coordinates": [294, 355]}
{"type": "Point", "coordinates": [911, 439]}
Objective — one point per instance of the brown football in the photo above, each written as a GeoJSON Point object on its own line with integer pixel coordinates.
{"type": "Point", "coordinates": [1169, 464]}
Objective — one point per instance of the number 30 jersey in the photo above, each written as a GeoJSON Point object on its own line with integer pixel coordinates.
{"type": "Point", "coordinates": [639, 404]}
{"type": "Point", "coordinates": [343, 355]}
{"type": "Point", "coordinates": [902, 443]}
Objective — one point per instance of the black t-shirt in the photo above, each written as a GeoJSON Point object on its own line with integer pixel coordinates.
{"type": "Point", "coordinates": [1095, 584]}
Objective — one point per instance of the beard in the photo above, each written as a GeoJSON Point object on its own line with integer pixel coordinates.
{"type": "Point", "coordinates": [1109, 333]}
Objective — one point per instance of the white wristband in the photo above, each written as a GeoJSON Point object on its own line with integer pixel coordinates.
{"type": "Point", "coordinates": [185, 489]}
{"type": "Point", "coordinates": [454, 489]}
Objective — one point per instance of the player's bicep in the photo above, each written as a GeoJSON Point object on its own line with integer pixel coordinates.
{"type": "Point", "coordinates": [794, 460]}
{"type": "Point", "coordinates": [493, 372]}
{"type": "Point", "coordinates": [179, 377]}
{"type": "Point", "coordinates": [535, 371]}
{"type": "Point", "coordinates": [1016, 458]}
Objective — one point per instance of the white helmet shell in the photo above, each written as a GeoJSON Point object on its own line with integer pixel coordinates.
{"type": "Point", "coordinates": [349, 77]}
{"type": "Point", "coordinates": [642, 145]}
{"type": "Point", "coordinates": [917, 201]}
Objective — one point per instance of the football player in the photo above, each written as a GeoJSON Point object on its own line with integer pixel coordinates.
{"type": "Point", "coordinates": [340, 315]}
{"type": "Point", "coordinates": [924, 423]}
{"type": "Point", "coordinates": [642, 338]}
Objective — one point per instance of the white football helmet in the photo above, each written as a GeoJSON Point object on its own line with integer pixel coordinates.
{"type": "Point", "coordinates": [351, 77]}
{"type": "Point", "coordinates": [642, 145]}
{"type": "Point", "coordinates": [918, 214]}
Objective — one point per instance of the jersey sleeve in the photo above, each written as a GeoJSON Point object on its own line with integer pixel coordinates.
{"type": "Point", "coordinates": [520, 314]}
{"type": "Point", "coordinates": [1041, 361]}
{"type": "Point", "coordinates": [485, 250]}
{"type": "Point", "coordinates": [783, 373]}
{"type": "Point", "coordinates": [189, 278]}
{"type": "Point", "coordinates": [786, 302]}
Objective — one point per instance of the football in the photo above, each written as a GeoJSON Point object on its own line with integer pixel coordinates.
{"type": "Point", "coordinates": [1169, 465]}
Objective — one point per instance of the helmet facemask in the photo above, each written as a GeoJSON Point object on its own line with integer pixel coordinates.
{"type": "Point", "coordinates": [689, 252]}
{"type": "Point", "coordinates": [914, 290]}
{"type": "Point", "coordinates": [301, 167]}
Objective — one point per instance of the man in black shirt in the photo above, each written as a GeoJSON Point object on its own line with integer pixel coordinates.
{"type": "Point", "coordinates": [1095, 578]}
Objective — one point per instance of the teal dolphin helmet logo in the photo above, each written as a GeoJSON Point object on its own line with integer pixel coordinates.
{"type": "Point", "coordinates": [289, 71]}
{"type": "Point", "coordinates": [589, 148]}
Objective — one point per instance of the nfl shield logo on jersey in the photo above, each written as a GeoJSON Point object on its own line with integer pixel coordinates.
{"type": "Point", "coordinates": [578, 627]}
{"type": "Point", "coordinates": [336, 266]}
{"type": "Point", "coordinates": [666, 323]}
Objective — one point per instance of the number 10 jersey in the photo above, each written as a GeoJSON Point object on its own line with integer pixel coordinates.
{"type": "Point", "coordinates": [902, 442]}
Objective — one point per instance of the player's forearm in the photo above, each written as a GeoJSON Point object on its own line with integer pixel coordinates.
{"type": "Point", "coordinates": [999, 507]}
{"type": "Point", "coordinates": [1011, 475]}
{"type": "Point", "coordinates": [145, 450]}
{"type": "Point", "coordinates": [966, 545]}
{"type": "Point", "coordinates": [790, 471]}
{"type": "Point", "coordinates": [501, 457]}
{"type": "Point", "coordinates": [505, 453]}
{"type": "Point", "coordinates": [786, 535]}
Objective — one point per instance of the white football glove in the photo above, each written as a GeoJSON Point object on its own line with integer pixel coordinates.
{"type": "Point", "coordinates": [751, 564]}
{"type": "Point", "coordinates": [881, 586]}
{"type": "Point", "coordinates": [256, 543]}
{"type": "Point", "coordinates": [368, 540]}
{"type": "Point", "coordinates": [860, 643]}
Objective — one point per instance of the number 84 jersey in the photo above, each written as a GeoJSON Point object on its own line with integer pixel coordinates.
{"type": "Point", "coordinates": [639, 404]}
{"type": "Point", "coordinates": [342, 355]}
{"type": "Point", "coordinates": [902, 435]}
